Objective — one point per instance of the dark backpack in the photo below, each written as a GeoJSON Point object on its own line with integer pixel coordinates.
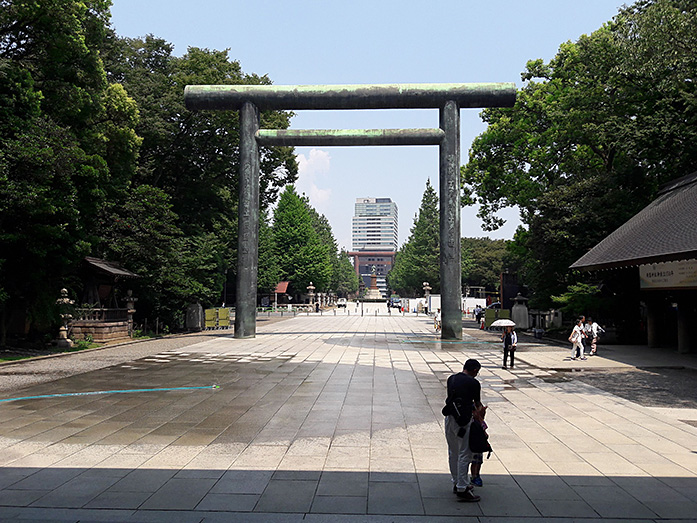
{"type": "Point", "coordinates": [479, 441]}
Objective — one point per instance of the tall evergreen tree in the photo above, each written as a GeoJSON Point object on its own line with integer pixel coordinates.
{"type": "Point", "coordinates": [268, 275]}
{"type": "Point", "coordinates": [345, 280]}
{"type": "Point", "coordinates": [301, 255]}
{"type": "Point", "coordinates": [418, 260]}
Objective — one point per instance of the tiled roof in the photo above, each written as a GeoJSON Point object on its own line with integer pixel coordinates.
{"type": "Point", "coordinates": [282, 287]}
{"type": "Point", "coordinates": [111, 268]}
{"type": "Point", "coordinates": [665, 230]}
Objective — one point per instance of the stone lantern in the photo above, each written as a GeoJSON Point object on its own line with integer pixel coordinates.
{"type": "Point", "coordinates": [311, 293]}
{"type": "Point", "coordinates": [519, 313]}
{"type": "Point", "coordinates": [130, 309]}
{"type": "Point", "coordinates": [64, 306]}
{"type": "Point", "coordinates": [427, 293]}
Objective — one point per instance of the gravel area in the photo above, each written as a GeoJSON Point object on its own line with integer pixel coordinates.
{"type": "Point", "coordinates": [649, 387]}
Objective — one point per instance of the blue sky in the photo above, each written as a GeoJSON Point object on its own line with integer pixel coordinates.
{"type": "Point", "coordinates": [371, 42]}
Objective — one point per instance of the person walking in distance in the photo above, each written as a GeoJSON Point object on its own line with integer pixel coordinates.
{"type": "Point", "coordinates": [463, 395]}
{"type": "Point", "coordinates": [587, 334]}
{"type": "Point", "coordinates": [596, 330]}
{"type": "Point", "coordinates": [510, 343]}
{"type": "Point", "coordinates": [576, 340]}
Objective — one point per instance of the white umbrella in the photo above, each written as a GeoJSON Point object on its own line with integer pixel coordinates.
{"type": "Point", "coordinates": [503, 323]}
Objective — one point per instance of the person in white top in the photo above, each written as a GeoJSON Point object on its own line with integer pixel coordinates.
{"type": "Point", "coordinates": [576, 340]}
{"type": "Point", "coordinates": [437, 321]}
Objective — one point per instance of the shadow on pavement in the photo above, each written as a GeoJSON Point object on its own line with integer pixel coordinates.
{"type": "Point", "coordinates": [123, 494]}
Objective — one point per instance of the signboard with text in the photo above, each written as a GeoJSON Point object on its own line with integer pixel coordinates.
{"type": "Point", "coordinates": [669, 275]}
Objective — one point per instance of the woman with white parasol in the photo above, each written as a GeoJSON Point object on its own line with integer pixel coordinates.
{"type": "Point", "coordinates": [509, 338]}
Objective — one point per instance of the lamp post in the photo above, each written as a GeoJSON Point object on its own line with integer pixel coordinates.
{"type": "Point", "coordinates": [427, 293]}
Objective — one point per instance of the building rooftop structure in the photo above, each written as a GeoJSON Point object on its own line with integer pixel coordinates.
{"type": "Point", "coordinates": [665, 230]}
{"type": "Point", "coordinates": [375, 225]}
{"type": "Point", "coordinates": [660, 244]}
{"type": "Point", "coordinates": [374, 238]}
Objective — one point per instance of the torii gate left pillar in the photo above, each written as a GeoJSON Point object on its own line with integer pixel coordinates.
{"type": "Point", "coordinates": [447, 98]}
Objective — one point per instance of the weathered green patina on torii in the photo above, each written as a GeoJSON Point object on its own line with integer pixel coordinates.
{"type": "Point", "coordinates": [447, 98]}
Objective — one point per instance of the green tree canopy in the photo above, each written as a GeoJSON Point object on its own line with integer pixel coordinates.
{"type": "Point", "coordinates": [193, 157]}
{"type": "Point", "coordinates": [485, 259]}
{"type": "Point", "coordinates": [268, 275]}
{"type": "Point", "coordinates": [301, 255]}
{"type": "Point", "coordinates": [592, 135]}
{"type": "Point", "coordinates": [98, 156]}
{"type": "Point", "coordinates": [67, 145]}
{"type": "Point", "coordinates": [418, 260]}
{"type": "Point", "coordinates": [345, 279]}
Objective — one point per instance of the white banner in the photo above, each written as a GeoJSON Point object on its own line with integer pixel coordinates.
{"type": "Point", "coordinates": [669, 275]}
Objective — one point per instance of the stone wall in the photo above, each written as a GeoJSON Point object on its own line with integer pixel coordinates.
{"type": "Point", "coordinates": [100, 331]}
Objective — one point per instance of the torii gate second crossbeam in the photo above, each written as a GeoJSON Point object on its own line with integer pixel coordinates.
{"type": "Point", "coordinates": [447, 98]}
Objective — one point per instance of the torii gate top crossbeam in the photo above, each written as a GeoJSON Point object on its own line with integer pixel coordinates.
{"type": "Point", "coordinates": [386, 96]}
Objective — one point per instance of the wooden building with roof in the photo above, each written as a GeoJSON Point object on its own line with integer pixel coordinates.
{"type": "Point", "coordinates": [661, 243]}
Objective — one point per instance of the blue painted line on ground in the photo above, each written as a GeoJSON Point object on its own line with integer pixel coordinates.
{"type": "Point", "coordinates": [93, 393]}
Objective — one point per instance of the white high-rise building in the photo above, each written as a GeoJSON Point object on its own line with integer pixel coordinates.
{"type": "Point", "coordinates": [374, 239]}
{"type": "Point", "coordinates": [375, 225]}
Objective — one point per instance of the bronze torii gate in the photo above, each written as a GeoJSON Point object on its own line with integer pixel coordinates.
{"type": "Point", "coordinates": [447, 98]}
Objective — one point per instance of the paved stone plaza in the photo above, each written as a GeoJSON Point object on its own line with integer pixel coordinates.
{"type": "Point", "coordinates": [334, 418]}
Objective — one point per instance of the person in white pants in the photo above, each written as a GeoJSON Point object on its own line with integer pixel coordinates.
{"type": "Point", "coordinates": [576, 340]}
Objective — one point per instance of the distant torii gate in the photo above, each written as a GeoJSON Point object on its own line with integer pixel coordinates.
{"type": "Point", "coordinates": [447, 98]}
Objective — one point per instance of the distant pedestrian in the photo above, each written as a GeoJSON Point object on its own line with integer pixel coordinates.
{"type": "Point", "coordinates": [437, 321]}
{"type": "Point", "coordinates": [464, 395]}
{"type": "Point", "coordinates": [587, 334]}
{"type": "Point", "coordinates": [596, 330]}
{"type": "Point", "coordinates": [510, 344]}
{"type": "Point", "coordinates": [576, 340]}
{"type": "Point", "coordinates": [478, 313]}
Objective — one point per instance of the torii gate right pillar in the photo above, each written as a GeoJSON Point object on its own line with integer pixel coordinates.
{"type": "Point", "coordinates": [450, 246]}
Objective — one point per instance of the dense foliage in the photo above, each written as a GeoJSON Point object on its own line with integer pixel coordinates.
{"type": "Point", "coordinates": [192, 160]}
{"type": "Point", "coordinates": [99, 157]}
{"type": "Point", "coordinates": [592, 136]}
{"type": "Point", "coordinates": [67, 147]}
{"type": "Point", "coordinates": [484, 260]}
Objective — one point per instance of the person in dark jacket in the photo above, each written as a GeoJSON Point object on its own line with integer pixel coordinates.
{"type": "Point", "coordinates": [510, 343]}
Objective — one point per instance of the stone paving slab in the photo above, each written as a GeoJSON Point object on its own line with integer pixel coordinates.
{"type": "Point", "coordinates": [337, 418]}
